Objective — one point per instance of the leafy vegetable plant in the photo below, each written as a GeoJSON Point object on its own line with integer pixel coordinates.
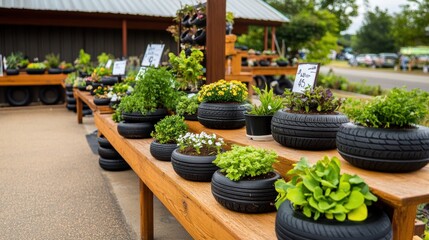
{"type": "Point", "coordinates": [245, 161]}
{"type": "Point", "coordinates": [270, 103]}
{"type": "Point", "coordinates": [187, 105]}
{"type": "Point", "coordinates": [321, 190]}
{"type": "Point", "coordinates": [169, 129]}
{"type": "Point", "coordinates": [317, 100]}
{"type": "Point", "coordinates": [187, 69]}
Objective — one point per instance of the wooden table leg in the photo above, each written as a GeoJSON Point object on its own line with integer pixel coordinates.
{"type": "Point", "coordinates": [79, 109]}
{"type": "Point", "coordinates": [146, 212]}
{"type": "Point", "coordinates": [403, 222]}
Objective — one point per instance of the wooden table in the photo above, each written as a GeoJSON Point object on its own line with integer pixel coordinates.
{"type": "Point", "coordinates": [86, 97]}
{"type": "Point", "coordinates": [24, 79]}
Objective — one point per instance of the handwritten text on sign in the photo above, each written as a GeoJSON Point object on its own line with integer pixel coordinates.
{"type": "Point", "coordinates": [153, 54]}
{"type": "Point", "coordinates": [119, 67]}
{"type": "Point", "coordinates": [305, 76]}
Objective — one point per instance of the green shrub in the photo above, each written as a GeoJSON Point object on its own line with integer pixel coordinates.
{"type": "Point", "coordinates": [341, 83]}
{"type": "Point", "coordinates": [13, 60]}
{"type": "Point", "coordinates": [52, 60]}
{"type": "Point", "coordinates": [187, 105]}
{"type": "Point", "coordinates": [321, 190]}
{"type": "Point", "coordinates": [245, 161]}
{"type": "Point", "coordinates": [317, 100]}
{"type": "Point", "coordinates": [270, 103]}
{"type": "Point", "coordinates": [169, 129]}
{"type": "Point", "coordinates": [399, 108]}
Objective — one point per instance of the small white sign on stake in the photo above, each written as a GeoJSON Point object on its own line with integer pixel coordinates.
{"type": "Point", "coordinates": [305, 76]}
{"type": "Point", "coordinates": [119, 67]}
{"type": "Point", "coordinates": [109, 63]}
{"type": "Point", "coordinates": [1, 66]}
{"type": "Point", "coordinates": [153, 54]}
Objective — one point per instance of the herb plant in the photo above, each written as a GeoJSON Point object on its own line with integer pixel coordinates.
{"type": "Point", "coordinates": [187, 105]}
{"type": "Point", "coordinates": [83, 62]}
{"type": "Point", "coordinates": [317, 100]}
{"type": "Point", "coordinates": [399, 108]}
{"type": "Point", "coordinates": [321, 190]}
{"type": "Point", "coordinates": [52, 60]}
{"type": "Point", "coordinates": [270, 103]}
{"type": "Point", "coordinates": [200, 144]}
{"type": "Point", "coordinates": [71, 77]}
{"type": "Point", "coordinates": [13, 60]}
{"type": "Point", "coordinates": [245, 161]}
{"type": "Point", "coordinates": [223, 91]}
{"type": "Point", "coordinates": [187, 69]}
{"type": "Point", "coordinates": [103, 58]}
{"type": "Point", "coordinates": [169, 129]}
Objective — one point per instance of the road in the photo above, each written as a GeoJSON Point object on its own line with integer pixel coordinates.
{"type": "Point", "coordinates": [385, 79]}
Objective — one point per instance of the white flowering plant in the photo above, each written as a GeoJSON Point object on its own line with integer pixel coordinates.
{"type": "Point", "coordinates": [202, 144]}
{"type": "Point", "coordinates": [270, 103]}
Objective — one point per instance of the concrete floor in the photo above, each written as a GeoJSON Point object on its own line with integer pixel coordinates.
{"type": "Point", "coordinates": [51, 186]}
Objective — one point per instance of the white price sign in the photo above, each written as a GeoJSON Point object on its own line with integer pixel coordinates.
{"type": "Point", "coordinates": [305, 76]}
{"type": "Point", "coordinates": [153, 54]}
{"type": "Point", "coordinates": [109, 63]}
{"type": "Point", "coordinates": [119, 67]}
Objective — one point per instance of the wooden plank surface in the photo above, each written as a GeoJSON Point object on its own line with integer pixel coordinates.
{"type": "Point", "coordinates": [192, 203]}
{"type": "Point", "coordinates": [24, 79]}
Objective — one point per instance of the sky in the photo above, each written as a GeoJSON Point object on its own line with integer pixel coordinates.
{"type": "Point", "coordinates": [392, 6]}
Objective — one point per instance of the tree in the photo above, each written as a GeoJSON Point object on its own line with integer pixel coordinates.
{"type": "Point", "coordinates": [375, 34]}
{"type": "Point", "coordinates": [253, 39]}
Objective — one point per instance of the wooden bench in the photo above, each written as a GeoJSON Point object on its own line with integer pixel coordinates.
{"type": "Point", "coordinates": [24, 79]}
{"type": "Point", "coordinates": [86, 97]}
{"type": "Point", "coordinates": [195, 208]}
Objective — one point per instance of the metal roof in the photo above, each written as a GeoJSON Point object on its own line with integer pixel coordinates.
{"type": "Point", "coordinates": [242, 9]}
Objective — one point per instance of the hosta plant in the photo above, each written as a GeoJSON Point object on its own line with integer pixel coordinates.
{"type": "Point", "coordinates": [317, 100]}
{"type": "Point", "coordinates": [245, 161]}
{"type": "Point", "coordinates": [169, 129]}
{"type": "Point", "coordinates": [320, 190]}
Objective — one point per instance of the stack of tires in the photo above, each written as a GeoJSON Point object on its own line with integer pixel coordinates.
{"type": "Point", "coordinates": [110, 159]}
{"type": "Point", "coordinates": [71, 102]}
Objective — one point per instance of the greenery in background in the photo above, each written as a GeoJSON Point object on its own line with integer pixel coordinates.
{"type": "Point", "coordinates": [253, 39]}
{"type": "Point", "coordinates": [100, 72]}
{"type": "Point", "coordinates": [23, 63]}
{"type": "Point", "coordinates": [202, 144]}
{"type": "Point", "coordinates": [223, 91]}
{"type": "Point", "coordinates": [321, 190]}
{"type": "Point", "coordinates": [187, 105]}
{"type": "Point", "coordinates": [169, 129]}
{"type": "Point", "coordinates": [83, 62]}
{"type": "Point", "coordinates": [270, 103]}
{"type": "Point", "coordinates": [245, 162]}
{"type": "Point", "coordinates": [398, 108]}
{"type": "Point", "coordinates": [103, 58]}
{"type": "Point", "coordinates": [187, 69]}
{"type": "Point", "coordinates": [333, 81]}
{"type": "Point", "coordinates": [13, 60]}
{"type": "Point", "coordinates": [36, 66]}
{"type": "Point", "coordinates": [317, 100]}
{"type": "Point", "coordinates": [65, 65]}
{"type": "Point", "coordinates": [52, 60]}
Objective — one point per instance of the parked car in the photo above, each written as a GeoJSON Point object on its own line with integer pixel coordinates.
{"type": "Point", "coordinates": [386, 60]}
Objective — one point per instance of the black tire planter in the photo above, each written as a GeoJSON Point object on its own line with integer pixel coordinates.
{"type": "Point", "coordinates": [113, 164]}
{"type": "Point", "coordinates": [384, 150]}
{"type": "Point", "coordinates": [71, 100]}
{"type": "Point", "coordinates": [67, 71]}
{"type": "Point", "coordinates": [109, 80]}
{"type": "Point", "coordinates": [11, 72]}
{"type": "Point", "coordinates": [193, 168]}
{"type": "Point", "coordinates": [258, 126]}
{"type": "Point", "coordinates": [35, 71]}
{"type": "Point", "coordinates": [198, 22]}
{"type": "Point", "coordinates": [104, 143]}
{"type": "Point", "coordinates": [264, 63]}
{"type": "Point", "coordinates": [108, 153]}
{"type": "Point", "coordinates": [55, 71]}
{"type": "Point", "coordinates": [69, 93]}
{"type": "Point", "coordinates": [101, 101]}
{"type": "Point", "coordinates": [281, 84]}
{"type": "Point", "coordinates": [246, 196]}
{"type": "Point", "coordinates": [135, 130]}
{"type": "Point", "coordinates": [18, 96]}
{"type": "Point", "coordinates": [190, 117]}
{"type": "Point", "coordinates": [95, 85]}
{"type": "Point", "coordinates": [222, 115]}
{"type": "Point", "coordinates": [186, 37]}
{"type": "Point", "coordinates": [292, 225]}
{"type": "Point", "coordinates": [281, 63]}
{"type": "Point", "coordinates": [71, 107]}
{"type": "Point", "coordinates": [50, 95]}
{"type": "Point", "coordinates": [306, 131]}
{"type": "Point", "coordinates": [186, 21]}
{"type": "Point", "coordinates": [153, 117]}
{"type": "Point", "coordinates": [82, 88]}
{"type": "Point", "coordinates": [200, 37]}
{"type": "Point", "coordinates": [161, 151]}
{"type": "Point", "coordinates": [69, 87]}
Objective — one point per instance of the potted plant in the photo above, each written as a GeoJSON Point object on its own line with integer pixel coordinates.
{"type": "Point", "coordinates": [52, 61]}
{"type": "Point", "coordinates": [385, 135]}
{"type": "Point", "coordinates": [166, 133]}
{"type": "Point", "coordinates": [310, 120]}
{"type": "Point", "coordinates": [36, 68]}
{"type": "Point", "coordinates": [66, 67]}
{"type": "Point", "coordinates": [83, 64]}
{"type": "Point", "coordinates": [258, 118]}
{"type": "Point", "coordinates": [222, 104]}
{"type": "Point", "coordinates": [319, 202]}
{"type": "Point", "coordinates": [99, 76]}
{"type": "Point", "coordinates": [245, 180]}
{"type": "Point", "coordinates": [193, 159]}
{"type": "Point", "coordinates": [187, 69]}
{"type": "Point", "coordinates": [282, 62]}
{"type": "Point", "coordinates": [69, 81]}
{"type": "Point", "coordinates": [100, 96]}
{"type": "Point", "coordinates": [12, 62]}
{"type": "Point", "coordinates": [118, 91]}
{"type": "Point", "coordinates": [187, 106]}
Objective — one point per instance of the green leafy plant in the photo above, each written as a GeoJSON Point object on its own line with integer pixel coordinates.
{"type": "Point", "coordinates": [23, 63]}
{"type": "Point", "coordinates": [52, 60]}
{"type": "Point", "coordinates": [13, 60]}
{"type": "Point", "coordinates": [36, 66]}
{"type": "Point", "coordinates": [101, 92]}
{"type": "Point", "coordinates": [65, 65]}
{"type": "Point", "coordinates": [223, 91]}
{"type": "Point", "coordinates": [245, 161]}
{"type": "Point", "coordinates": [187, 69]}
{"type": "Point", "coordinates": [321, 190]}
{"type": "Point", "coordinates": [103, 58]}
{"type": "Point", "coordinates": [71, 77]}
{"type": "Point", "coordinates": [270, 103]}
{"type": "Point", "coordinates": [83, 62]}
{"type": "Point", "coordinates": [200, 144]}
{"type": "Point", "coordinates": [169, 129]}
{"type": "Point", "coordinates": [229, 17]}
{"type": "Point", "coordinates": [187, 105]}
{"type": "Point", "coordinates": [100, 72]}
{"type": "Point", "coordinates": [398, 108]}
{"type": "Point", "coordinates": [317, 100]}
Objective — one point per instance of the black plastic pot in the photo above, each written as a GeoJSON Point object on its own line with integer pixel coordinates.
{"type": "Point", "coordinates": [258, 126]}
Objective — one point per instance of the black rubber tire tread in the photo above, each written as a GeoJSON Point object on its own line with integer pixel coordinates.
{"type": "Point", "coordinates": [26, 99]}
{"type": "Point", "coordinates": [71, 107]}
{"type": "Point", "coordinates": [44, 93]}
{"type": "Point", "coordinates": [104, 143]}
{"type": "Point", "coordinates": [69, 88]}
{"type": "Point", "coordinates": [306, 131]}
{"type": "Point", "coordinates": [388, 144]}
{"type": "Point", "coordinates": [149, 117]}
{"type": "Point", "coordinates": [55, 71]}
{"type": "Point", "coordinates": [101, 101]}
{"type": "Point", "coordinates": [199, 173]}
{"type": "Point", "coordinates": [222, 111]}
{"type": "Point", "coordinates": [191, 117]}
{"type": "Point", "coordinates": [113, 164]}
{"type": "Point", "coordinates": [244, 206]}
{"type": "Point", "coordinates": [244, 196]}
{"type": "Point", "coordinates": [135, 130]}
{"type": "Point", "coordinates": [108, 153]}
{"type": "Point", "coordinates": [69, 94]}
{"type": "Point", "coordinates": [294, 226]}
{"type": "Point", "coordinates": [109, 80]}
{"type": "Point", "coordinates": [162, 152]}
{"type": "Point", "coordinates": [222, 124]}
{"type": "Point", "coordinates": [70, 100]}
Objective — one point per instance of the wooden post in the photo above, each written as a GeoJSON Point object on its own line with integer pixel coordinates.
{"type": "Point", "coordinates": [146, 212]}
{"type": "Point", "coordinates": [273, 37]}
{"type": "Point", "coordinates": [124, 38]}
{"type": "Point", "coordinates": [265, 38]}
{"type": "Point", "coordinates": [215, 43]}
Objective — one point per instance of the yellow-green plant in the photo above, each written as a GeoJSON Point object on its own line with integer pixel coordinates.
{"type": "Point", "coordinates": [169, 129]}
{"type": "Point", "coordinates": [187, 69]}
